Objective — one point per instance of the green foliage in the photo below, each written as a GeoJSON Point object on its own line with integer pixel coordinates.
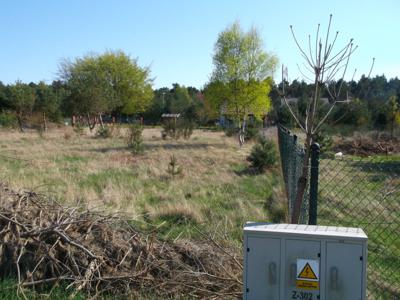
{"type": "Point", "coordinates": [170, 129]}
{"type": "Point", "coordinates": [252, 130]}
{"type": "Point", "coordinates": [263, 155]}
{"type": "Point", "coordinates": [185, 128]}
{"type": "Point", "coordinates": [78, 129]}
{"type": "Point", "coordinates": [8, 119]}
{"type": "Point", "coordinates": [9, 291]}
{"type": "Point", "coordinates": [176, 129]}
{"type": "Point", "coordinates": [231, 131]}
{"type": "Point", "coordinates": [241, 80]}
{"type": "Point", "coordinates": [104, 132]}
{"type": "Point", "coordinates": [21, 98]}
{"type": "Point", "coordinates": [394, 113]}
{"type": "Point", "coordinates": [324, 139]}
{"type": "Point", "coordinates": [111, 82]}
{"type": "Point", "coordinates": [353, 113]}
{"type": "Point", "coordinates": [181, 99]}
{"type": "Point", "coordinates": [135, 139]}
{"type": "Point", "coordinates": [47, 101]}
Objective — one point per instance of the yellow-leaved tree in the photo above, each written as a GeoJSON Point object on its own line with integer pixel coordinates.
{"type": "Point", "coordinates": [242, 76]}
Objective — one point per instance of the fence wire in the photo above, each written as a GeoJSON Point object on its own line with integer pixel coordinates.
{"type": "Point", "coordinates": [355, 192]}
{"type": "Point", "coordinates": [292, 156]}
{"type": "Point", "coordinates": [365, 192]}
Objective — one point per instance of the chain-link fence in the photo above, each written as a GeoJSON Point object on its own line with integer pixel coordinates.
{"type": "Point", "coordinates": [355, 192]}
{"type": "Point", "coordinates": [365, 192]}
{"type": "Point", "coordinates": [292, 156]}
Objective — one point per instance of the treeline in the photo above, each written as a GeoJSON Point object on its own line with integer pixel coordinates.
{"type": "Point", "coordinates": [109, 86]}
{"type": "Point", "coordinates": [35, 104]}
{"type": "Point", "coordinates": [113, 85]}
{"type": "Point", "coordinates": [371, 103]}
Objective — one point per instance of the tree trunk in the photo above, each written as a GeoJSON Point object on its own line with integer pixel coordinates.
{"type": "Point", "coordinates": [303, 179]}
{"type": "Point", "coordinates": [101, 121]}
{"type": "Point", "coordinates": [20, 122]}
{"type": "Point", "coordinates": [44, 122]}
{"type": "Point", "coordinates": [392, 128]}
{"type": "Point", "coordinates": [91, 125]}
{"type": "Point", "coordinates": [302, 183]}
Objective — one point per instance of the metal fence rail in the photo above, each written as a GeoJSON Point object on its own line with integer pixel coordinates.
{"type": "Point", "coordinates": [354, 192]}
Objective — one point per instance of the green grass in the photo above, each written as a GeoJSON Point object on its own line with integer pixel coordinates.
{"type": "Point", "coordinates": [212, 192]}
{"type": "Point", "coordinates": [213, 195]}
{"type": "Point", "coordinates": [9, 291]}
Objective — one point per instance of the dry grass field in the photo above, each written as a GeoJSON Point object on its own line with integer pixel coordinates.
{"type": "Point", "coordinates": [213, 192]}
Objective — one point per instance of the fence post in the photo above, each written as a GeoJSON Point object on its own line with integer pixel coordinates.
{"type": "Point", "coordinates": [312, 214]}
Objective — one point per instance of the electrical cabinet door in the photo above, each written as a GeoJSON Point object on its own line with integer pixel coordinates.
{"type": "Point", "coordinates": [263, 259]}
{"type": "Point", "coordinates": [344, 267]}
{"type": "Point", "coordinates": [299, 249]}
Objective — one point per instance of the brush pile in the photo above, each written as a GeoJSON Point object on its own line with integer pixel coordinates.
{"type": "Point", "coordinates": [45, 243]}
{"type": "Point", "coordinates": [364, 145]}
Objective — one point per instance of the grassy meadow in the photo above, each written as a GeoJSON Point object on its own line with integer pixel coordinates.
{"type": "Point", "coordinates": [213, 193]}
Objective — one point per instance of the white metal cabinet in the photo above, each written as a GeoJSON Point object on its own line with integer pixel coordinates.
{"type": "Point", "coordinates": [264, 260]}
{"type": "Point", "coordinates": [344, 267]}
{"type": "Point", "coordinates": [286, 261]}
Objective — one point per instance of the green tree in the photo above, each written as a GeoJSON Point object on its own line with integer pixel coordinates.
{"type": "Point", "coordinates": [241, 80]}
{"type": "Point", "coordinates": [21, 99]}
{"type": "Point", "coordinates": [181, 99]}
{"type": "Point", "coordinates": [108, 83]}
{"type": "Point", "coordinates": [47, 103]}
{"type": "Point", "coordinates": [394, 113]}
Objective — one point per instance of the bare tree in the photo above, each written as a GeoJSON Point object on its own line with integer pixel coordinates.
{"type": "Point", "coordinates": [326, 68]}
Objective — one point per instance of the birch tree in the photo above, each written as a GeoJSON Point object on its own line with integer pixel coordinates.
{"type": "Point", "coordinates": [242, 76]}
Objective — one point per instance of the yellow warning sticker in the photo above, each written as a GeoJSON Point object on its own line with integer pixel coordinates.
{"type": "Point", "coordinates": [307, 273]}
{"type": "Point", "coordinates": [307, 285]}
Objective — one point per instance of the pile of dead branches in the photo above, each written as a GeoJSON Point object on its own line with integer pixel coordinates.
{"type": "Point", "coordinates": [366, 145]}
{"type": "Point", "coordinates": [43, 242]}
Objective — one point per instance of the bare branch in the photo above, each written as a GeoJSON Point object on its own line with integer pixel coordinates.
{"type": "Point", "coordinates": [317, 57]}
{"type": "Point", "coordinates": [354, 74]}
{"type": "Point", "coordinates": [292, 113]}
{"type": "Point", "coordinates": [301, 50]}
{"type": "Point", "coordinates": [305, 76]}
{"type": "Point", "coordinates": [309, 49]}
{"type": "Point", "coordinates": [372, 66]}
{"type": "Point", "coordinates": [344, 72]}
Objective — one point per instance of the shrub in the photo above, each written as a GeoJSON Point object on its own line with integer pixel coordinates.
{"type": "Point", "coordinates": [185, 128]}
{"type": "Point", "coordinates": [231, 131]}
{"type": "Point", "coordinates": [104, 132]}
{"type": "Point", "coordinates": [78, 129]}
{"type": "Point", "coordinates": [181, 128]}
{"type": "Point", "coordinates": [324, 140]}
{"type": "Point", "coordinates": [135, 139]}
{"type": "Point", "coordinates": [252, 130]}
{"type": "Point", "coordinates": [173, 167]}
{"type": "Point", "coordinates": [263, 155]}
{"type": "Point", "coordinates": [170, 129]}
{"type": "Point", "coordinates": [8, 119]}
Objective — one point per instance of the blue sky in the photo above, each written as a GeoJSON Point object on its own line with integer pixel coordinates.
{"type": "Point", "coordinates": [176, 37]}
